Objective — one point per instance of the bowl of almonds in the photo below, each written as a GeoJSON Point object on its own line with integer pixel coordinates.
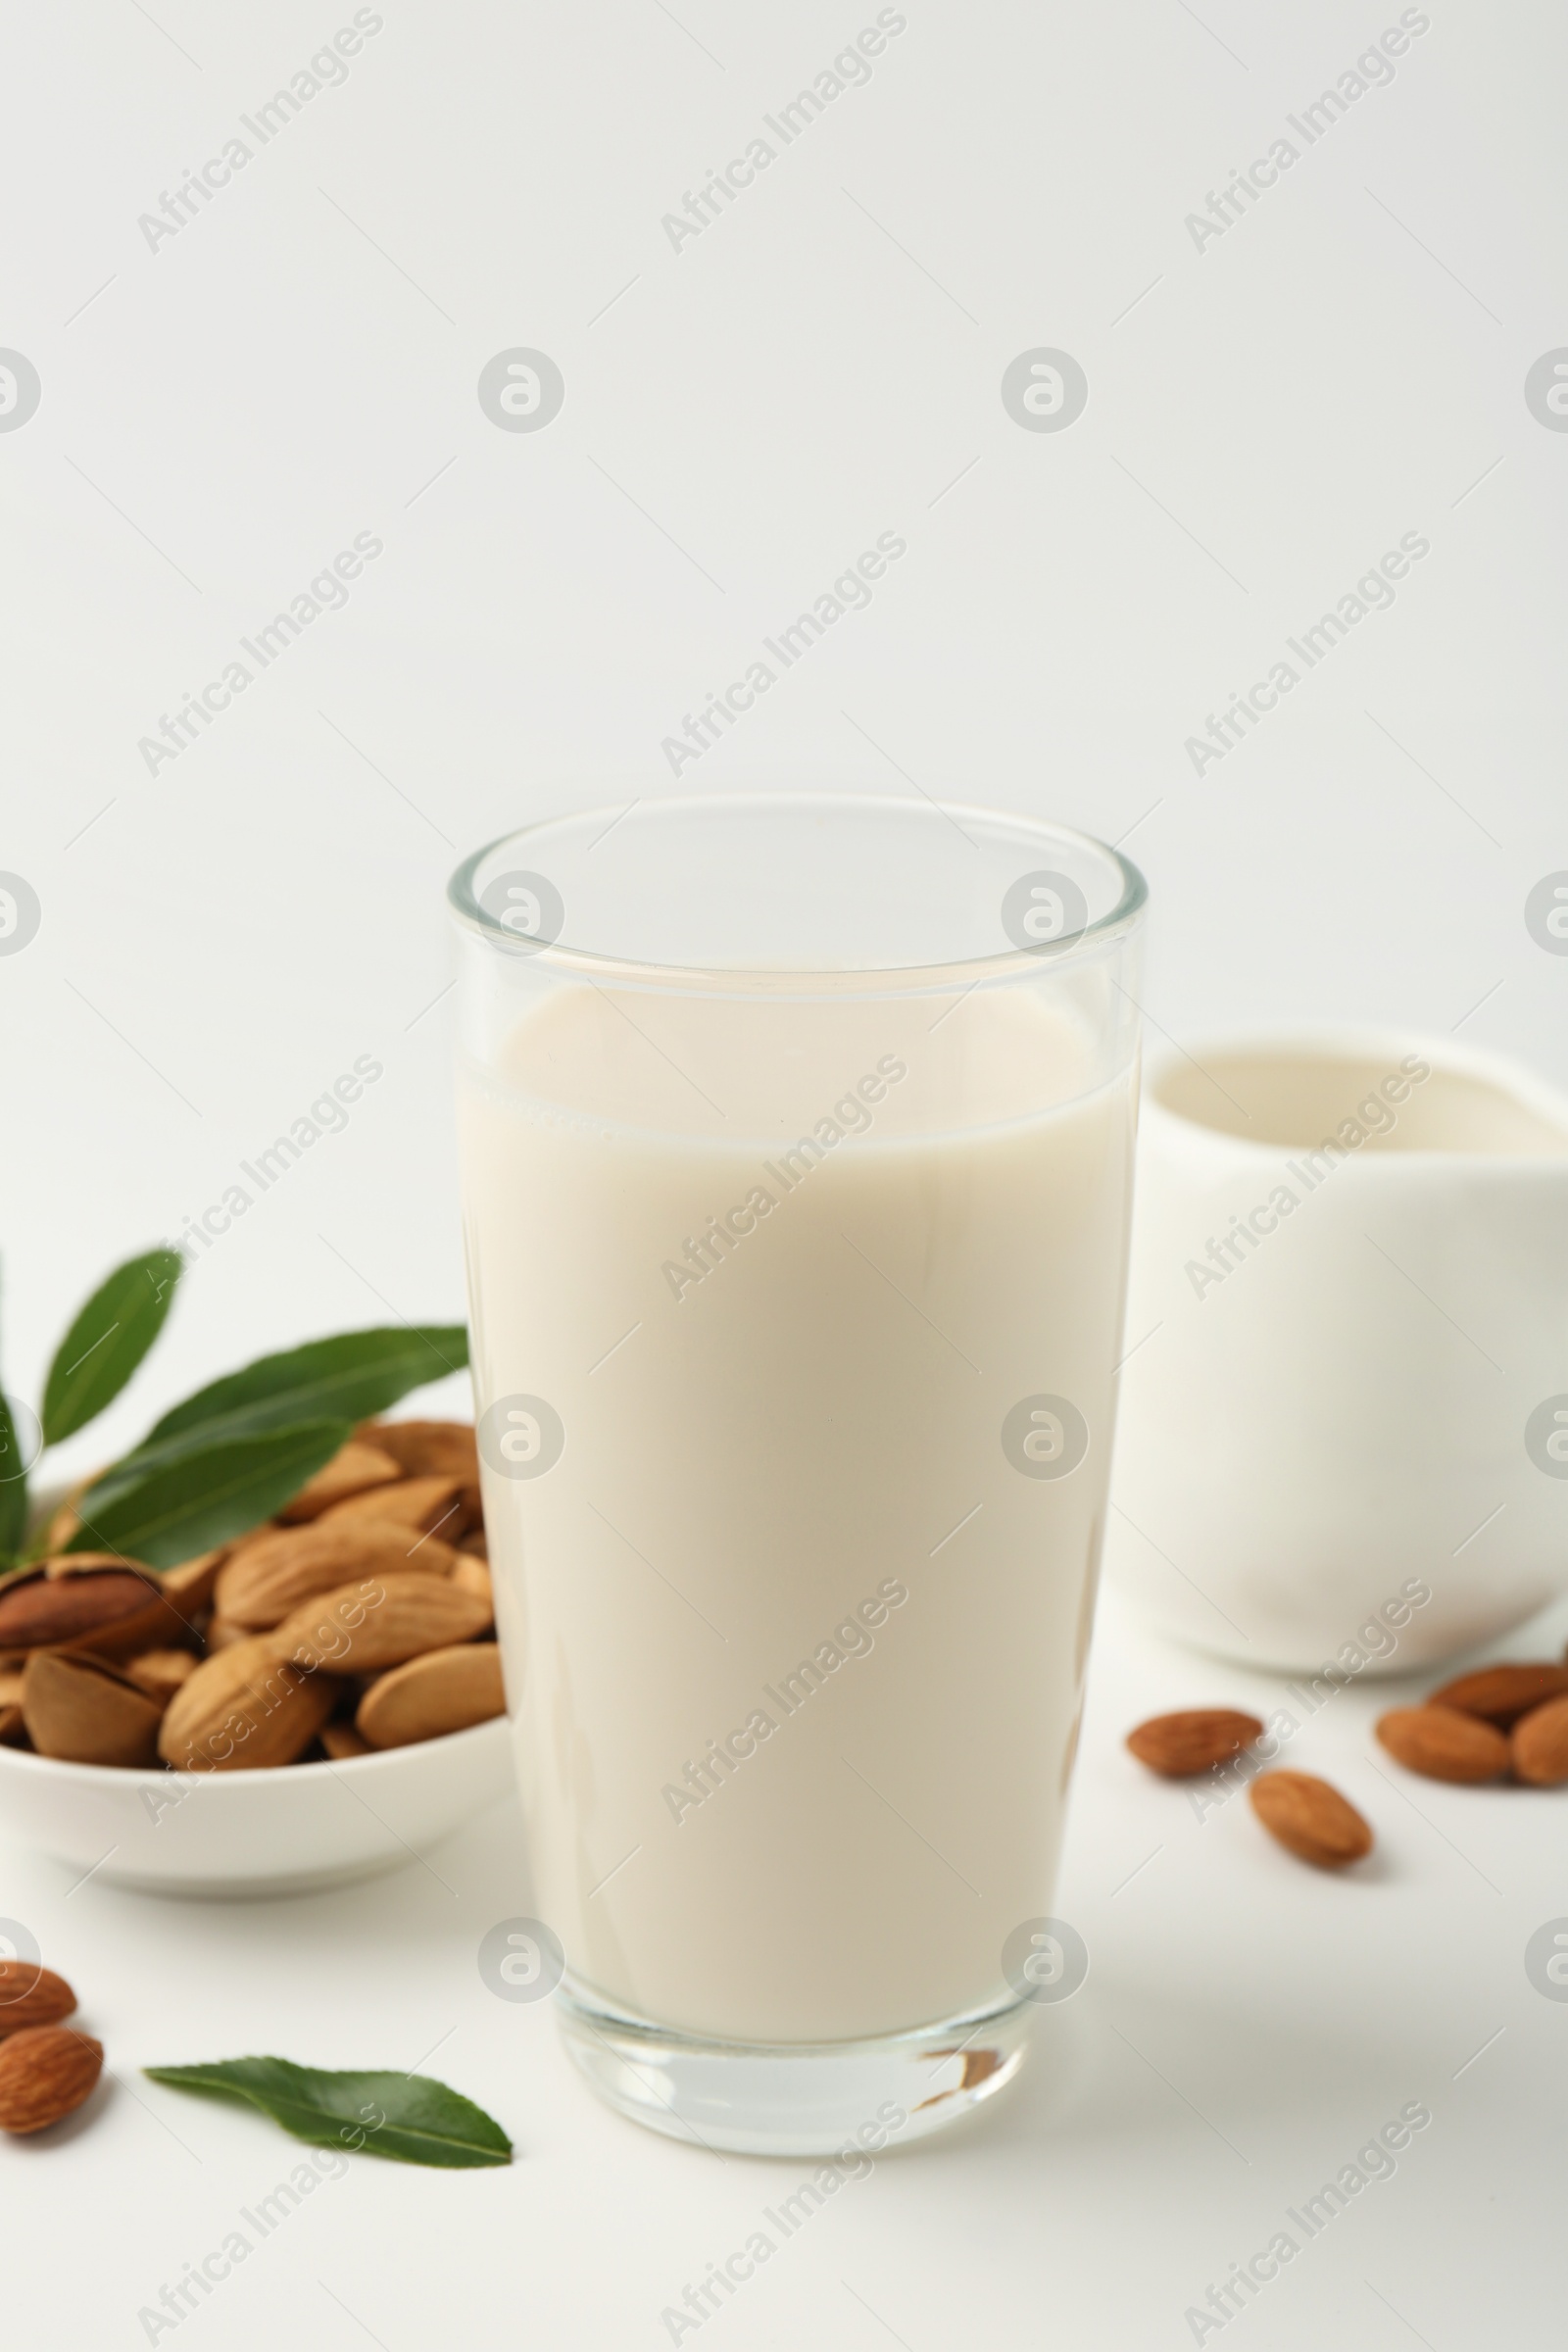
{"type": "Point", "coordinates": [306, 1703]}
{"type": "Point", "coordinates": [257, 1655]}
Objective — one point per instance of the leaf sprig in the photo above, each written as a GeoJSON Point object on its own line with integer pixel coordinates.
{"type": "Point", "coordinates": [412, 2119]}
{"type": "Point", "coordinates": [229, 1456]}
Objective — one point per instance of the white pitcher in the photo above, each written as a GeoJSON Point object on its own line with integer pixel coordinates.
{"type": "Point", "coordinates": [1344, 1422]}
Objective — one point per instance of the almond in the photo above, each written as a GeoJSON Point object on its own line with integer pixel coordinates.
{"type": "Point", "coordinates": [353, 1468]}
{"type": "Point", "coordinates": [189, 1586]}
{"type": "Point", "coordinates": [1502, 1693]}
{"type": "Point", "coordinates": [86, 1597]}
{"type": "Point", "coordinates": [244, 1708]}
{"type": "Point", "coordinates": [1310, 1818]}
{"type": "Point", "coordinates": [378, 1622]}
{"type": "Point", "coordinates": [419, 1503]}
{"type": "Point", "coordinates": [45, 2071]}
{"type": "Point", "coordinates": [222, 1633]}
{"type": "Point", "coordinates": [268, 1577]}
{"type": "Point", "coordinates": [342, 1743]}
{"type": "Point", "coordinates": [160, 1672]}
{"type": "Point", "coordinates": [442, 1691]}
{"type": "Point", "coordinates": [13, 1731]}
{"type": "Point", "coordinates": [11, 1679]}
{"type": "Point", "coordinates": [1193, 1741]}
{"type": "Point", "coordinates": [1443, 1744]}
{"type": "Point", "coordinates": [79, 1709]}
{"type": "Point", "coordinates": [472, 1575]}
{"type": "Point", "coordinates": [427, 1448]}
{"type": "Point", "coordinates": [476, 1541]}
{"type": "Point", "coordinates": [1541, 1744]}
{"type": "Point", "coordinates": [30, 1996]}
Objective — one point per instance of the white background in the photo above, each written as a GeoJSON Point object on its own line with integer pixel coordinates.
{"type": "Point", "coordinates": [220, 939]}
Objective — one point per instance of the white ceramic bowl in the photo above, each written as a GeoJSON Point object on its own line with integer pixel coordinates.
{"type": "Point", "coordinates": [285, 1832]}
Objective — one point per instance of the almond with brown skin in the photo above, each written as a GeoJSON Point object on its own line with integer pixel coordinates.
{"type": "Point", "coordinates": [427, 1448]}
{"type": "Point", "coordinates": [424, 1505]}
{"type": "Point", "coordinates": [1310, 1818]}
{"type": "Point", "coordinates": [378, 1622]}
{"type": "Point", "coordinates": [11, 1679]}
{"type": "Point", "coordinates": [342, 1743]}
{"type": "Point", "coordinates": [1443, 1744]}
{"type": "Point", "coordinates": [472, 1575]}
{"type": "Point", "coordinates": [1540, 1746]}
{"type": "Point", "coordinates": [267, 1577]}
{"type": "Point", "coordinates": [30, 1996]}
{"type": "Point", "coordinates": [13, 1731]}
{"type": "Point", "coordinates": [87, 1596]}
{"type": "Point", "coordinates": [160, 1672]}
{"type": "Point", "coordinates": [443, 1691]}
{"type": "Point", "coordinates": [1502, 1693]}
{"type": "Point", "coordinates": [222, 1633]}
{"type": "Point", "coordinates": [245, 1708]}
{"type": "Point", "coordinates": [1193, 1741]}
{"type": "Point", "coordinates": [78, 1709]}
{"type": "Point", "coordinates": [46, 2072]}
{"type": "Point", "coordinates": [189, 1586]}
{"type": "Point", "coordinates": [476, 1541]}
{"type": "Point", "coordinates": [353, 1469]}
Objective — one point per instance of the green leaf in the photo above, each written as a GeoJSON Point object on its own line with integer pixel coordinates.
{"type": "Point", "coordinates": [13, 1487]}
{"type": "Point", "coordinates": [162, 1512]}
{"type": "Point", "coordinates": [348, 1378]}
{"type": "Point", "coordinates": [412, 2118]}
{"type": "Point", "coordinates": [108, 1341]}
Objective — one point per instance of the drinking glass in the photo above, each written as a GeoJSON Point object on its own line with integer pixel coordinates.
{"type": "Point", "coordinates": [795, 1138]}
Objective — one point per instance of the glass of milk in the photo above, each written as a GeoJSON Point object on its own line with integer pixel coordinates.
{"type": "Point", "coordinates": [797, 1146]}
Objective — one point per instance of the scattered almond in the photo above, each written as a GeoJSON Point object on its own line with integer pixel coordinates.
{"type": "Point", "coordinates": [419, 1503]}
{"type": "Point", "coordinates": [1193, 1740]}
{"type": "Point", "coordinates": [1443, 1744]}
{"type": "Point", "coordinates": [378, 1622]}
{"type": "Point", "coordinates": [46, 2072]}
{"type": "Point", "coordinates": [30, 1996]}
{"type": "Point", "coordinates": [353, 1469]}
{"type": "Point", "coordinates": [78, 1707]}
{"type": "Point", "coordinates": [1502, 1693]}
{"type": "Point", "coordinates": [268, 1577]}
{"type": "Point", "coordinates": [1310, 1818]}
{"type": "Point", "coordinates": [1540, 1744]}
{"type": "Point", "coordinates": [441, 1690]}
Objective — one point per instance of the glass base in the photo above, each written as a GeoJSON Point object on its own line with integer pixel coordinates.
{"type": "Point", "coordinates": [791, 2098]}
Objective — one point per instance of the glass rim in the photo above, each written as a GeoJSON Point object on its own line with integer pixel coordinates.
{"type": "Point", "coordinates": [595, 965]}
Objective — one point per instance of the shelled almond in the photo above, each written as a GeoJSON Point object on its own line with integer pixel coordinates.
{"type": "Point", "coordinates": [266, 1650]}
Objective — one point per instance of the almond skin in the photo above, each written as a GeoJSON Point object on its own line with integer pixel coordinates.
{"type": "Point", "coordinates": [443, 1691]}
{"type": "Point", "coordinates": [1443, 1744]}
{"type": "Point", "coordinates": [426, 1505]}
{"type": "Point", "coordinates": [30, 1996]}
{"type": "Point", "coordinates": [1193, 1741]}
{"type": "Point", "coordinates": [268, 1577]}
{"type": "Point", "coordinates": [78, 1709]}
{"type": "Point", "coordinates": [1540, 1746]}
{"type": "Point", "coordinates": [1502, 1693]}
{"type": "Point", "coordinates": [379, 1622]}
{"type": "Point", "coordinates": [353, 1468]}
{"type": "Point", "coordinates": [472, 1575]}
{"type": "Point", "coordinates": [45, 2072]}
{"type": "Point", "coordinates": [1311, 1820]}
{"type": "Point", "coordinates": [245, 1708]}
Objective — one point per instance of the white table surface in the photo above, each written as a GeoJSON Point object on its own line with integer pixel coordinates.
{"type": "Point", "coordinates": [220, 414]}
{"type": "Point", "coordinates": [1247, 2025]}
